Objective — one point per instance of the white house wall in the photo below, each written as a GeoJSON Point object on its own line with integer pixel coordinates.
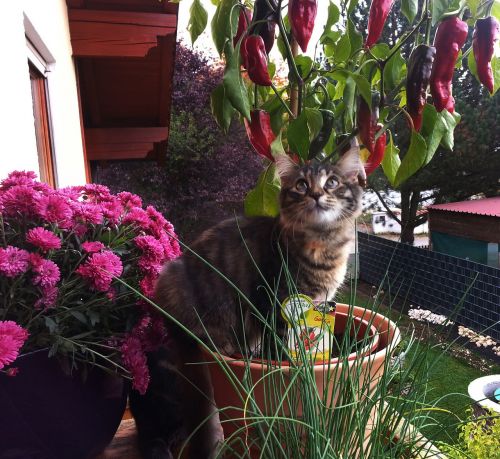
{"type": "Point", "coordinates": [46, 24]}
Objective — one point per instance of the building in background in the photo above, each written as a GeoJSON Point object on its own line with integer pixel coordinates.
{"type": "Point", "coordinates": [84, 81]}
{"type": "Point", "coordinates": [467, 229]}
{"type": "Point", "coordinates": [383, 223]}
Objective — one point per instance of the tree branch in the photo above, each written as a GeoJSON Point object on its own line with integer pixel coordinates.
{"type": "Point", "coordinates": [387, 208]}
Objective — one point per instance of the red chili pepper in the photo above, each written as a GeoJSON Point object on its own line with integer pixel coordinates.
{"type": "Point", "coordinates": [244, 20]}
{"type": "Point", "coordinates": [259, 132]}
{"type": "Point", "coordinates": [419, 72]}
{"type": "Point", "coordinates": [450, 37]}
{"type": "Point", "coordinates": [486, 33]}
{"type": "Point", "coordinates": [377, 155]}
{"type": "Point", "coordinates": [267, 29]}
{"type": "Point", "coordinates": [255, 60]}
{"type": "Point", "coordinates": [301, 14]}
{"type": "Point", "coordinates": [379, 10]}
{"type": "Point", "coordinates": [367, 122]}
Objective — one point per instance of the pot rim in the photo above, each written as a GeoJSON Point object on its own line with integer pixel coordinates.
{"type": "Point", "coordinates": [360, 312]}
{"type": "Point", "coordinates": [476, 392]}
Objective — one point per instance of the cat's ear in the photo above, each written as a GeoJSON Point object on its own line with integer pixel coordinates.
{"type": "Point", "coordinates": [285, 166]}
{"type": "Point", "coordinates": [350, 164]}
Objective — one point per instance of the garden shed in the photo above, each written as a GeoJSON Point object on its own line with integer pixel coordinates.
{"type": "Point", "coordinates": [467, 229]}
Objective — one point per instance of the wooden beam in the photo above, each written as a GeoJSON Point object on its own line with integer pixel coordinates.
{"type": "Point", "coordinates": [167, 60]}
{"type": "Point", "coordinates": [123, 143]}
{"type": "Point", "coordinates": [96, 33]}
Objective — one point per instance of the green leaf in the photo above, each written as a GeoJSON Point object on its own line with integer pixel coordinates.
{"type": "Point", "coordinates": [224, 24]}
{"type": "Point", "coordinates": [314, 121]}
{"type": "Point", "coordinates": [222, 110]}
{"type": "Point", "coordinates": [450, 120]}
{"type": "Point", "coordinates": [355, 37]}
{"type": "Point", "coordinates": [471, 63]}
{"type": "Point", "coordinates": [342, 49]}
{"type": "Point", "coordinates": [444, 7]}
{"type": "Point", "coordinates": [277, 146]}
{"type": "Point", "coordinates": [364, 88]}
{"type": "Point", "coordinates": [473, 4]}
{"type": "Point", "coordinates": [197, 20]}
{"type": "Point", "coordinates": [234, 86]}
{"type": "Point", "coordinates": [79, 316]}
{"type": "Point", "coordinates": [333, 16]}
{"type": "Point", "coordinates": [352, 5]}
{"type": "Point", "coordinates": [391, 160]}
{"type": "Point", "coordinates": [495, 65]}
{"type": "Point", "coordinates": [413, 160]}
{"type": "Point", "coordinates": [348, 99]}
{"type": "Point", "coordinates": [380, 50]}
{"type": "Point", "coordinates": [298, 135]}
{"type": "Point", "coordinates": [495, 10]}
{"type": "Point", "coordinates": [432, 130]}
{"type": "Point", "coordinates": [410, 9]}
{"type": "Point", "coordinates": [50, 324]}
{"type": "Point", "coordinates": [304, 64]}
{"type": "Point", "coordinates": [394, 71]}
{"type": "Point", "coordinates": [263, 200]}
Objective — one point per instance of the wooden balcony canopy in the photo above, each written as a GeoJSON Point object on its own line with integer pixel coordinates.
{"type": "Point", "coordinates": [124, 52]}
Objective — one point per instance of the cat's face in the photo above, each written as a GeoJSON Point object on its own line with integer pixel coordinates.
{"type": "Point", "coordinates": [320, 194]}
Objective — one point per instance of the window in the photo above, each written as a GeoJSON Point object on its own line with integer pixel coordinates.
{"type": "Point", "coordinates": [42, 124]}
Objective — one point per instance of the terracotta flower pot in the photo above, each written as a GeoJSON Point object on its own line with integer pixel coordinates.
{"type": "Point", "coordinates": [48, 414]}
{"type": "Point", "coordinates": [326, 374]}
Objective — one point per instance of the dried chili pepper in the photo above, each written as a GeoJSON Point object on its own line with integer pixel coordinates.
{"type": "Point", "coordinates": [262, 11]}
{"type": "Point", "coordinates": [486, 33]}
{"type": "Point", "coordinates": [367, 121]}
{"type": "Point", "coordinates": [379, 10]}
{"type": "Point", "coordinates": [259, 132]}
{"type": "Point", "coordinates": [419, 73]}
{"type": "Point", "coordinates": [301, 14]}
{"type": "Point", "coordinates": [377, 155]}
{"type": "Point", "coordinates": [319, 142]}
{"type": "Point", "coordinates": [255, 60]}
{"type": "Point", "coordinates": [450, 37]}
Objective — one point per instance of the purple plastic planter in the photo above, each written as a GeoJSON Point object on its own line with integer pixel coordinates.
{"type": "Point", "coordinates": [48, 414]}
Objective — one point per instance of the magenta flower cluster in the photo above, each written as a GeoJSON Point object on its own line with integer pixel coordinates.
{"type": "Point", "coordinates": [67, 257]}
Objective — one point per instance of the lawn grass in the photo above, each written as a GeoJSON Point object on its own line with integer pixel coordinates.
{"type": "Point", "coordinates": [449, 375]}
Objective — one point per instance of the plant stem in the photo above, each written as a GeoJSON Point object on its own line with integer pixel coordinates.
{"type": "Point", "coordinates": [278, 95]}
{"type": "Point", "coordinates": [404, 40]}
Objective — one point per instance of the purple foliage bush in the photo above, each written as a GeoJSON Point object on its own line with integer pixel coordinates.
{"type": "Point", "coordinates": [206, 174]}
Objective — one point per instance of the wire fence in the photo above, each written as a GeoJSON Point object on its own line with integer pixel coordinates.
{"type": "Point", "coordinates": [466, 290]}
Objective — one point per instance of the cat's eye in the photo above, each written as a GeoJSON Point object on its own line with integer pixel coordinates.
{"type": "Point", "coordinates": [301, 186]}
{"type": "Point", "coordinates": [331, 183]}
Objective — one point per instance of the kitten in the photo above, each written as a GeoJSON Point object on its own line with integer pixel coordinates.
{"type": "Point", "coordinates": [313, 232]}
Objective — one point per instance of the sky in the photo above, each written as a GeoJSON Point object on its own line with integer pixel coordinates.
{"type": "Point", "coordinates": [205, 43]}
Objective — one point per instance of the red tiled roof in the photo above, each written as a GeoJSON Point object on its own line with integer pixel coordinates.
{"type": "Point", "coordinates": [487, 206]}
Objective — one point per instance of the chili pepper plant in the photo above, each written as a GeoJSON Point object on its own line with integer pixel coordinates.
{"type": "Point", "coordinates": [351, 84]}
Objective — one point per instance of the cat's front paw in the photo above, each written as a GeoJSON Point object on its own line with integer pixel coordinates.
{"type": "Point", "coordinates": [158, 450]}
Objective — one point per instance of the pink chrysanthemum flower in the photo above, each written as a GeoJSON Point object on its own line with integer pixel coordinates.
{"type": "Point", "coordinates": [48, 298]}
{"type": "Point", "coordinates": [20, 199]}
{"type": "Point", "coordinates": [138, 217]}
{"type": "Point", "coordinates": [12, 338]}
{"type": "Point", "coordinates": [16, 178]}
{"type": "Point", "coordinates": [92, 246]}
{"type": "Point", "coordinates": [129, 200]}
{"type": "Point", "coordinates": [69, 192]}
{"type": "Point", "coordinates": [151, 247]}
{"type": "Point", "coordinates": [13, 261]}
{"type": "Point", "coordinates": [54, 208]}
{"type": "Point", "coordinates": [112, 210]}
{"type": "Point", "coordinates": [99, 270]}
{"type": "Point", "coordinates": [43, 239]}
{"type": "Point", "coordinates": [147, 285]}
{"type": "Point", "coordinates": [87, 212]}
{"type": "Point", "coordinates": [46, 272]}
{"type": "Point", "coordinates": [149, 267]}
{"type": "Point", "coordinates": [135, 361]}
{"type": "Point", "coordinates": [95, 192]}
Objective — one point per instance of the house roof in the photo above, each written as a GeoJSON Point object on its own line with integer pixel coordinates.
{"type": "Point", "coordinates": [487, 206]}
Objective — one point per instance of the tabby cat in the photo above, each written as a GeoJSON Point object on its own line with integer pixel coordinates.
{"type": "Point", "coordinates": [319, 203]}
